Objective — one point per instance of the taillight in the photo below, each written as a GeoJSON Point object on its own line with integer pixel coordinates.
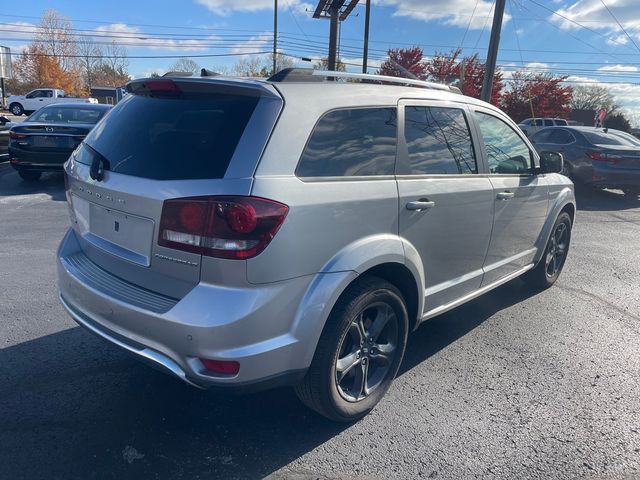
{"type": "Point", "coordinates": [603, 156]}
{"type": "Point", "coordinates": [225, 226]}
{"type": "Point", "coordinates": [17, 136]}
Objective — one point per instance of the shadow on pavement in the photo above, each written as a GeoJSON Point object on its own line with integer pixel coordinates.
{"type": "Point", "coordinates": [73, 406]}
{"type": "Point", "coordinates": [51, 184]}
{"type": "Point", "coordinates": [597, 200]}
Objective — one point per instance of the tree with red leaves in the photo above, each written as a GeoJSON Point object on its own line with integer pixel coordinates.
{"type": "Point", "coordinates": [541, 92]}
{"type": "Point", "coordinates": [404, 62]}
{"type": "Point", "coordinates": [446, 68]}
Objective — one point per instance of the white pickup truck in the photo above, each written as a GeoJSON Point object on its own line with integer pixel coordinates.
{"type": "Point", "coordinates": [41, 97]}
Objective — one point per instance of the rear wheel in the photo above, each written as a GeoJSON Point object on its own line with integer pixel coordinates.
{"type": "Point", "coordinates": [16, 109]}
{"type": "Point", "coordinates": [550, 265]}
{"type": "Point", "coordinates": [29, 176]}
{"type": "Point", "coordinates": [359, 352]}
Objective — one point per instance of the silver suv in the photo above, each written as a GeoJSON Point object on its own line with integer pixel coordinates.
{"type": "Point", "coordinates": [294, 231]}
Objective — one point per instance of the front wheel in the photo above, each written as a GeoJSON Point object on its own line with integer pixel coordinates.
{"type": "Point", "coordinates": [16, 109]}
{"type": "Point", "coordinates": [359, 351]}
{"type": "Point", "coordinates": [550, 265]}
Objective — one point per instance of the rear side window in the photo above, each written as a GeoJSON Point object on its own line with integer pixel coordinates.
{"type": "Point", "coordinates": [351, 142]}
{"type": "Point", "coordinates": [438, 141]}
{"type": "Point", "coordinates": [171, 138]}
{"type": "Point", "coordinates": [561, 137]}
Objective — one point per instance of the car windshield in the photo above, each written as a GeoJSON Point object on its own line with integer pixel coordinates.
{"type": "Point", "coordinates": [67, 115]}
{"type": "Point", "coordinates": [610, 138]}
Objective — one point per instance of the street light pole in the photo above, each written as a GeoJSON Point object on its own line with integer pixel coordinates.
{"type": "Point", "coordinates": [492, 54]}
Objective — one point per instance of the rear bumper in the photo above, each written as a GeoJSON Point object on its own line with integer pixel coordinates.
{"type": "Point", "coordinates": [37, 161]}
{"type": "Point", "coordinates": [258, 326]}
{"type": "Point", "coordinates": [611, 177]}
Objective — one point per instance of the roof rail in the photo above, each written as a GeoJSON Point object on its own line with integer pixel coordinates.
{"type": "Point", "coordinates": [310, 75]}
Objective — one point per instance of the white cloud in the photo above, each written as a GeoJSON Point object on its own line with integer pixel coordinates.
{"type": "Point", "coordinates": [451, 12]}
{"type": "Point", "coordinates": [618, 68]}
{"type": "Point", "coordinates": [594, 15]}
{"type": "Point", "coordinates": [257, 43]}
{"type": "Point", "coordinates": [537, 66]}
{"type": "Point", "coordinates": [130, 36]}
{"type": "Point", "coordinates": [226, 7]}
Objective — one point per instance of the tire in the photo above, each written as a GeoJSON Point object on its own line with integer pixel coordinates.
{"type": "Point", "coordinates": [373, 308]}
{"type": "Point", "coordinates": [548, 269]}
{"type": "Point", "coordinates": [16, 109]}
{"type": "Point", "coordinates": [29, 175]}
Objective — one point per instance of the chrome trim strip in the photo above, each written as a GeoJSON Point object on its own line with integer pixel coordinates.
{"type": "Point", "coordinates": [146, 353]}
{"type": "Point", "coordinates": [445, 308]}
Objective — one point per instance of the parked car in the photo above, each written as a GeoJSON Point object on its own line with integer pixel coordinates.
{"type": "Point", "coordinates": [247, 233]}
{"type": "Point", "coordinates": [5, 124]}
{"type": "Point", "coordinates": [41, 97]}
{"type": "Point", "coordinates": [44, 141]}
{"type": "Point", "coordinates": [531, 125]}
{"type": "Point", "coordinates": [604, 158]}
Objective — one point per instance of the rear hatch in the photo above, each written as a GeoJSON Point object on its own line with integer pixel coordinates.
{"type": "Point", "coordinates": [168, 139]}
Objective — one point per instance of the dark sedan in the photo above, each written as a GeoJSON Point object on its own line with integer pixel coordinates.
{"type": "Point", "coordinates": [599, 157]}
{"type": "Point", "coordinates": [45, 140]}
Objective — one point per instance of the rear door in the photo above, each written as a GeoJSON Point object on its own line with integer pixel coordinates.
{"type": "Point", "coordinates": [169, 139]}
{"type": "Point", "coordinates": [446, 201]}
{"type": "Point", "coordinates": [520, 197]}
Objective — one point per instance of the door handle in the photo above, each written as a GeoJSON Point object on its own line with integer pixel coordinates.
{"type": "Point", "coordinates": [420, 205]}
{"type": "Point", "coordinates": [506, 195]}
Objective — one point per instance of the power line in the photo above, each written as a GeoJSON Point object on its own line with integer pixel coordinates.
{"type": "Point", "coordinates": [625, 32]}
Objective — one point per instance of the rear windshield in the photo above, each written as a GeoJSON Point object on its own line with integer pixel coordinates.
{"type": "Point", "coordinates": [67, 115]}
{"type": "Point", "coordinates": [171, 138]}
{"type": "Point", "coordinates": [601, 138]}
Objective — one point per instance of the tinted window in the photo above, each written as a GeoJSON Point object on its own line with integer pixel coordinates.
{"type": "Point", "coordinates": [561, 137]}
{"type": "Point", "coordinates": [67, 115]}
{"type": "Point", "coordinates": [354, 142]}
{"type": "Point", "coordinates": [542, 136]}
{"type": "Point", "coordinates": [438, 141]}
{"type": "Point", "coordinates": [548, 123]}
{"type": "Point", "coordinates": [602, 138]}
{"type": "Point", "coordinates": [561, 122]}
{"type": "Point", "coordinates": [172, 138]}
{"type": "Point", "coordinates": [507, 153]}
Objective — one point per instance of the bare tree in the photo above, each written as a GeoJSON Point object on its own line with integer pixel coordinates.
{"type": "Point", "coordinates": [323, 64]}
{"type": "Point", "coordinates": [185, 64]}
{"type": "Point", "coordinates": [250, 66]}
{"type": "Point", "coordinates": [90, 57]}
{"type": "Point", "coordinates": [117, 63]}
{"type": "Point", "coordinates": [592, 97]}
{"type": "Point", "coordinates": [55, 38]}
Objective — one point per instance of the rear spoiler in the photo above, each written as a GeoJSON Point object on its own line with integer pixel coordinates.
{"type": "Point", "coordinates": [177, 86]}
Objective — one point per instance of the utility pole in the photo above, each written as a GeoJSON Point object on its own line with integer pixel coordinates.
{"type": "Point", "coordinates": [365, 49]}
{"type": "Point", "coordinates": [334, 11]}
{"type": "Point", "coordinates": [492, 54]}
{"type": "Point", "coordinates": [275, 36]}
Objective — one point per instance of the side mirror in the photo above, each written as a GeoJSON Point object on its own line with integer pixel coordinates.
{"type": "Point", "coordinates": [551, 162]}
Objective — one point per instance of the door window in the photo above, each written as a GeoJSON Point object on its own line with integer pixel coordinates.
{"type": "Point", "coordinates": [438, 141]}
{"type": "Point", "coordinates": [351, 142]}
{"type": "Point", "coordinates": [507, 153]}
{"type": "Point", "coordinates": [35, 94]}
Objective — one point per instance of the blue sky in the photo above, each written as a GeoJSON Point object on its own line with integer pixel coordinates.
{"type": "Point", "coordinates": [580, 38]}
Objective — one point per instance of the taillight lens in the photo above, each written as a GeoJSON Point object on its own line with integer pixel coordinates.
{"type": "Point", "coordinates": [17, 136]}
{"type": "Point", "coordinates": [603, 156]}
{"type": "Point", "coordinates": [224, 367]}
{"type": "Point", "coordinates": [225, 226]}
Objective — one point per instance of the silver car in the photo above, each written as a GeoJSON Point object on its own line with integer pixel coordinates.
{"type": "Point", "coordinates": [250, 233]}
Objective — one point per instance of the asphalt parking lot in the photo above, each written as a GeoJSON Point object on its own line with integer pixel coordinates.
{"type": "Point", "coordinates": [514, 385]}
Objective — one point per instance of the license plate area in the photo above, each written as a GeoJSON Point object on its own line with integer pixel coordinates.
{"type": "Point", "coordinates": [121, 234]}
{"type": "Point", "coordinates": [45, 141]}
